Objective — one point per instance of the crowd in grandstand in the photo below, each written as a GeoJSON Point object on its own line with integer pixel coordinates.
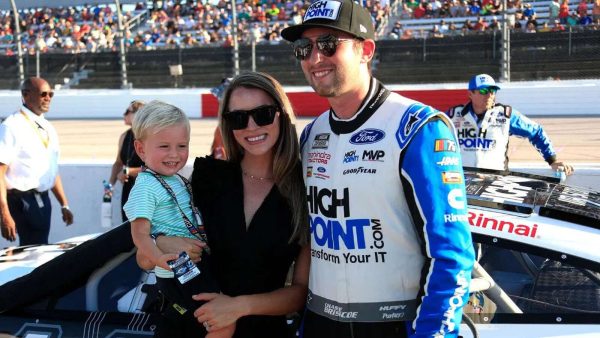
{"type": "Point", "coordinates": [194, 23]}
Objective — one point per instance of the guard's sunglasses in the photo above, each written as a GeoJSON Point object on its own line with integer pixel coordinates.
{"type": "Point", "coordinates": [262, 116]}
{"type": "Point", "coordinates": [489, 90]}
{"type": "Point", "coordinates": [326, 44]}
{"type": "Point", "coordinates": [44, 94]}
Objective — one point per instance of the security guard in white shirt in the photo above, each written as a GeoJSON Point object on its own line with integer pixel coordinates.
{"type": "Point", "coordinates": [29, 153]}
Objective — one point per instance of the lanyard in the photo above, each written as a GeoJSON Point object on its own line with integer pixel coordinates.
{"type": "Point", "coordinates": [45, 140]}
{"type": "Point", "coordinates": [197, 231]}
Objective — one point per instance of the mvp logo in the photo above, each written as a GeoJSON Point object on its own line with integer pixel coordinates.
{"type": "Point", "coordinates": [373, 155]}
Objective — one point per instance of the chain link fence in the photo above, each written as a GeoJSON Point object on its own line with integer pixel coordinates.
{"type": "Point", "coordinates": [572, 54]}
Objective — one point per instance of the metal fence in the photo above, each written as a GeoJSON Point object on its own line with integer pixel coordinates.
{"type": "Point", "coordinates": [571, 54]}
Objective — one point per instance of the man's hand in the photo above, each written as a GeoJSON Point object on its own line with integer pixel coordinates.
{"type": "Point", "coordinates": [9, 230]}
{"type": "Point", "coordinates": [67, 216]}
{"type": "Point", "coordinates": [567, 168]}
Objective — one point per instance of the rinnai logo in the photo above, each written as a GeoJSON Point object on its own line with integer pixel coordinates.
{"type": "Point", "coordinates": [323, 10]}
{"type": "Point", "coordinates": [487, 222]}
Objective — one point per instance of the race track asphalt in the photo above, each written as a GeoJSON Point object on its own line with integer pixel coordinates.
{"type": "Point", "coordinates": [576, 139]}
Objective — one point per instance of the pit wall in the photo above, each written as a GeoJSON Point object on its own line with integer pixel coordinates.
{"type": "Point", "coordinates": [547, 98]}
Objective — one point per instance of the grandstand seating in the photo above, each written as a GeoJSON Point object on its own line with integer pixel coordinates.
{"type": "Point", "coordinates": [421, 27]}
{"type": "Point", "coordinates": [410, 61]}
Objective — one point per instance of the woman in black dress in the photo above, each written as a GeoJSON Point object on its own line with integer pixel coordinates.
{"type": "Point", "coordinates": [128, 164]}
{"type": "Point", "coordinates": [255, 213]}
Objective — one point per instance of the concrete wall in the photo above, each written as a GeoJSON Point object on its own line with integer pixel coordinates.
{"type": "Point", "coordinates": [83, 186]}
{"type": "Point", "coordinates": [549, 98]}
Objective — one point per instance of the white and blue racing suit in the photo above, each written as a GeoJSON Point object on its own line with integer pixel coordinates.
{"type": "Point", "coordinates": [484, 141]}
{"type": "Point", "coordinates": [391, 250]}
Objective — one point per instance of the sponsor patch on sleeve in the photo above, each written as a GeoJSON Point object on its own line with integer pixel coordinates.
{"type": "Point", "coordinates": [444, 145]}
{"type": "Point", "coordinates": [451, 177]}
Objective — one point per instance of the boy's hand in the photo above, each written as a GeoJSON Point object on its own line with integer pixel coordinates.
{"type": "Point", "coordinates": [162, 261]}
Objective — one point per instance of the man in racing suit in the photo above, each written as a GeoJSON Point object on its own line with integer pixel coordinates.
{"type": "Point", "coordinates": [390, 245]}
{"type": "Point", "coordinates": [483, 128]}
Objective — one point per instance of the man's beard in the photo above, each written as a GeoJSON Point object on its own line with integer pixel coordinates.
{"type": "Point", "coordinates": [332, 90]}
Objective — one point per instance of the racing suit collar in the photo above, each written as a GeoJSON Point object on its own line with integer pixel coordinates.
{"type": "Point", "coordinates": [376, 95]}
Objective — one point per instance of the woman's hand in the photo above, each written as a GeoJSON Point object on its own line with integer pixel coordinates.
{"type": "Point", "coordinates": [220, 310]}
{"type": "Point", "coordinates": [175, 245]}
{"type": "Point", "coordinates": [121, 177]}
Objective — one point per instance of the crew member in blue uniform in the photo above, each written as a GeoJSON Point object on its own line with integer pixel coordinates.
{"type": "Point", "coordinates": [483, 128]}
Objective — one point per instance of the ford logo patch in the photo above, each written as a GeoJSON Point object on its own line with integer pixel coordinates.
{"type": "Point", "coordinates": [367, 136]}
{"type": "Point", "coordinates": [321, 169]}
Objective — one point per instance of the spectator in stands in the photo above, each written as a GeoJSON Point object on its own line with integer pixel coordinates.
{"type": "Point", "coordinates": [553, 9]}
{"type": "Point", "coordinates": [420, 11]}
{"type": "Point", "coordinates": [475, 8]}
{"type": "Point", "coordinates": [29, 153]}
{"type": "Point", "coordinates": [445, 9]}
{"type": "Point", "coordinates": [596, 12]}
{"type": "Point", "coordinates": [407, 34]}
{"type": "Point", "coordinates": [529, 11]}
{"type": "Point", "coordinates": [436, 7]}
{"type": "Point", "coordinates": [563, 12]}
{"type": "Point", "coordinates": [460, 9]}
{"type": "Point", "coordinates": [452, 31]}
{"type": "Point", "coordinates": [487, 7]}
{"type": "Point", "coordinates": [481, 25]}
{"type": "Point", "coordinates": [468, 25]}
{"type": "Point", "coordinates": [573, 19]}
{"type": "Point", "coordinates": [494, 24]}
{"type": "Point", "coordinates": [585, 20]}
{"type": "Point", "coordinates": [520, 21]}
{"type": "Point", "coordinates": [396, 31]}
{"type": "Point", "coordinates": [476, 131]}
{"type": "Point", "coordinates": [128, 164]}
{"type": "Point", "coordinates": [443, 27]}
{"type": "Point", "coordinates": [533, 20]}
{"type": "Point", "coordinates": [435, 32]}
{"type": "Point", "coordinates": [405, 14]}
{"type": "Point", "coordinates": [557, 26]}
{"type": "Point", "coordinates": [545, 28]}
{"type": "Point", "coordinates": [582, 8]}
{"type": "Point", "coordinates": [530, 28]}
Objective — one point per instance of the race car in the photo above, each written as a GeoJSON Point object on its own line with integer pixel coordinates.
{"type": "Point", "coordinates": [77, 288]}
{"type": "Point", "coordinates": [537, 272]}
{"type": "Point", "coordinates": [538, 264]}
